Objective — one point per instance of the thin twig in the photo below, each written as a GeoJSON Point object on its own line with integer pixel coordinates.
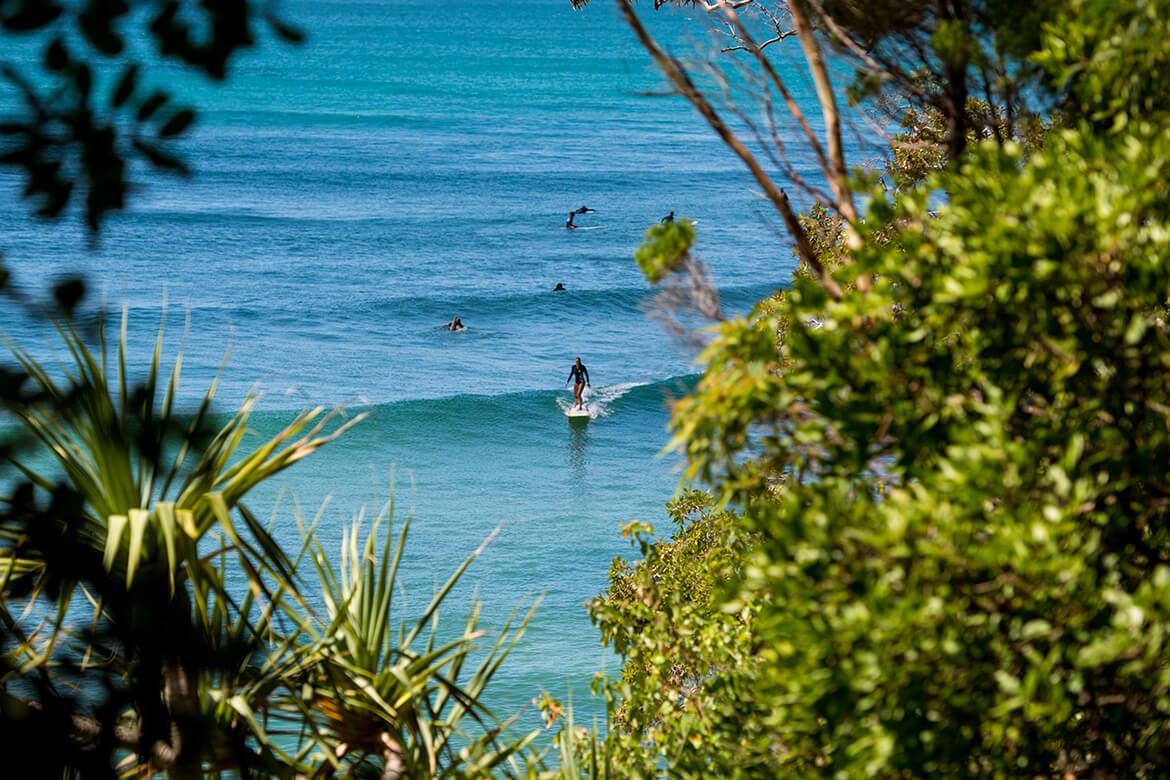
{"type": "Point", "coordinates": [775, 195]}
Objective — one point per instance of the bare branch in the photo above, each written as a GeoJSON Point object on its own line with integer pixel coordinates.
{"type": "Point", "coordinates": [759, 46]}
{"type": "Point", "coordinates": [782, 88]}
{"type": "Point", "coordinates": [839, 174]}
{"type": "Point", "coordinates": [717, 5]}
{"type": "Point", "coordinates": [775, 195]}
{"type": "Point", "coordinates": [848, 41]}
{"type": "Point", "coordinates": [691, 289]}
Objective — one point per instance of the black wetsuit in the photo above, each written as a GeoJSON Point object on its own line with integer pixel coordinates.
{"type": "Point", "coordinates": [579, 373]}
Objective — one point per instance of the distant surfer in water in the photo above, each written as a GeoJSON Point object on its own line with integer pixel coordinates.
{"type": "Point", "coordinates": [668, 218]}
{"type": "Point", "coordinates": [455, 323]}
{"type": "Point", "coordinates": [559, 288]}
{"type": "Point", "coordinates": [583, 210]}
{"type": "Point", "coordinates": [580, 377]}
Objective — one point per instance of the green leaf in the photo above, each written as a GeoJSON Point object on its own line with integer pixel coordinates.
{"type": "Point", "coordinates": [117, 526]}
{"type": "Point", "coordinates": [138, 522]}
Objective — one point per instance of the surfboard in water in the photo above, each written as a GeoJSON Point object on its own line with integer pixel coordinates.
{"type": "Point", "coordinates": [574, 412]}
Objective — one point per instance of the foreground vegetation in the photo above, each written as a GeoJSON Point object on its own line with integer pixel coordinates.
{"type": "Point", "coordinates": [964, 569]}
{"type": "Point", "coordinates": [153, 624]}
{"type": "Point", "coordinates": [936, 539]}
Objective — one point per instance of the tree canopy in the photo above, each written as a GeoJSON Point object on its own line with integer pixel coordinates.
{"type": "Point", "coordinates": [952, 461]}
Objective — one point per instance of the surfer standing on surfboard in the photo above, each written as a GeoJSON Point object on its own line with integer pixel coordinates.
{"type": "Point", "coordinates": [580, 376]}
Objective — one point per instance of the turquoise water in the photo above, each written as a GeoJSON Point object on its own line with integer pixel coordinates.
{"type": "Point", "coordinates": [413, 161]}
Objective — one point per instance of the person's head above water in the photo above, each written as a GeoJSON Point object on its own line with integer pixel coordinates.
{"type": "Point", "coordinates": [559, 288]}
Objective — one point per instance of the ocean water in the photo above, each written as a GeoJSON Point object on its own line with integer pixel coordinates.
{"type": "Point", "coordinates": [411, 162]}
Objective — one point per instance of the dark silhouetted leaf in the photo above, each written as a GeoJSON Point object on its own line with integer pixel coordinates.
{"type": "Point", "coordinates": [160, 159]}
{"type": "Point", "coordinates": [69, 294]}
{"type": "Point", "coordinates": [285, 30]}
{"type": "Point", "coordinates": [56, 198]}
{"type": "Point", "coordinates": [126, 86]}
{"type": "Point", "coordinates": [56, 56]}
{"type": "Point", "coordinates": [83, 79]}
{"type": "Point", "coordinates": [177, 124]}
{"type": "Point", "coordinates": [33, 16]}
{"type": "Point", "coordinates": [151, 105]}
{"type": "Point", "coordinates": [98, 30]}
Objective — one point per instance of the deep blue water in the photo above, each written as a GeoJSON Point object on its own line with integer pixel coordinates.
{"type": "Point", "coordinates": [413, 161]}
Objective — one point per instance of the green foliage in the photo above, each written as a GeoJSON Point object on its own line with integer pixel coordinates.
{"type": "Point", "coordinates": [968, 573]}
{"type": "Point", "coordinates": [72, 135]}
{"type": "Point", "coordinates": [579, 752]}
{"type": "Point", "coordinates": [920, 149]}
{"type": "Point", "coordinates": [687, 663]}
{"type": "Point", "coordinates": [968, 570]}
{"type": "Point", "coordinates": [1111, 66]}
{"type": "Point", "coordinates": [152, 625]}
{"type": "Point", "coordinates": [366, 697]}
{"type": "Point", "coordinates": [664, 248]}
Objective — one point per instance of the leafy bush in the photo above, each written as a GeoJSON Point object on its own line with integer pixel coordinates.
{"type": "Point", "coordinates": [968, 570]}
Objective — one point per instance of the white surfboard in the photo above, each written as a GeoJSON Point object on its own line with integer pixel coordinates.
{"type": "Point", "coordinates": [575, 412]}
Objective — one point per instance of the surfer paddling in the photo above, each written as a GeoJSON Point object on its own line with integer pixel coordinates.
{"type": "Point", "coordinates": [580, 378]}
{"type": "Point", "coordinates": [574, 213]}
{"type": "Point", "coordinates": [455, 323]}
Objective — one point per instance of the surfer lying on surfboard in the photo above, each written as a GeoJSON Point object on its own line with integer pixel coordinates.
{"type": "Point", "coordinates": [580, 376]}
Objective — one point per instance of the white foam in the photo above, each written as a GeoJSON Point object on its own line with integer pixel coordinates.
{"type": "Point", "coordinates": [599, 400]}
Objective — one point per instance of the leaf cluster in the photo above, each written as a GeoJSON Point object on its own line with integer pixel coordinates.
{"type": "Point", "coordinates": [688, 663]}
{"type": "Point", "coordinates": [91, 106]}
{"type": "Point", "coordinates": [152, 624]}
{"type": "Point", "coordinates": [967, 572]}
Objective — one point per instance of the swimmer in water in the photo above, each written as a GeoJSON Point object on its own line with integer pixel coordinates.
{"type": "Point", "coordinates": [455, 323]}
{"type": "Point", "coordinates": [668, 218]}
{"type": "Point", "coordinates": [559, 288]}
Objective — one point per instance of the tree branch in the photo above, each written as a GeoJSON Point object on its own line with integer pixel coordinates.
{"type": "Point", "coordinates": [838, 173]}
{"type": "Point", "coordinates": [775, 195]}
{"type": "Point", "coordinates": [782, 88]}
